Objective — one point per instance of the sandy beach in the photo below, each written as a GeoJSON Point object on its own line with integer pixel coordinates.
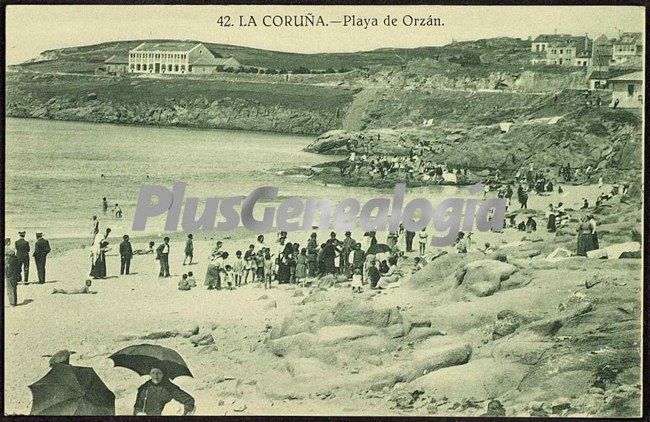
{"type": "Point", "coordinates": [241, 373]}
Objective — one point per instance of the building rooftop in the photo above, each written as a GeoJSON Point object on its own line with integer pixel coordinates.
{"type": "Point", "coordinates": [634, 76]}
{"type": "Point", "coordinates": [211, 61]}
{"type": "Point", "coordinates": [117, 60]}
{"type": "Point", "coordinates": [550, 37]}
{"type": "Point", "coordinates": [629, 38]}
{"type": "Point", "coordinates": [182, 47]}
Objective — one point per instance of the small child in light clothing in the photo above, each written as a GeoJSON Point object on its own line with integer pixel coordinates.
{"type": "Point", "coordinates": [228, 275]}
{"type": "Point", "coordinates": [191, 281]}
{"type": "Point", "coordinates": [238, 268]}
{"type": "Point", "coordinates": [422, 239]}
{"type": "Point", "coordinates": [356, 281]}
{"type": "Point", "coordinates": [268, 270]}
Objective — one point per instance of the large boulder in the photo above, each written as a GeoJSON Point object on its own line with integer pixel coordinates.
{"type": "Point", "coordinates": [343, 333]}
{"type": "Point", "coordinates": [354, 312]}
{"type": "Point", "coordinates": [439, 269]}
{"type": "Point", "coordinates": [484, 277]}
{"type": "Point", "coordinates": [480, 379]}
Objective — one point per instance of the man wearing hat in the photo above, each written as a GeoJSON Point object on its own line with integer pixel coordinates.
{"type": "Point", "coordinates": [22, 253]}
{"type": "Point", "coordinates": [348, 245]}
{"type": "Point", "coordinates": [41, 249]}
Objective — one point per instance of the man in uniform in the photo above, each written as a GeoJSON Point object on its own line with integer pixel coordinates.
{"type": "Point", "coordinates": [22, 253]}
{"type": "Point", "coordinates": [41, 249]}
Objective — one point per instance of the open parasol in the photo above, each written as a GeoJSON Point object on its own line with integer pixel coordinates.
{"type": "Point", "coordinates": [378, 248]}
{"type": "Point", "coordinates": [72, 391]}
{"type": "Point", "coordinates": [142, 358]}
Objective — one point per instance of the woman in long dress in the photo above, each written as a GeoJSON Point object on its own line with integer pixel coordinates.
{"type": "Point", "coordinates": [98, 257]}
{"type": "Point", "coordinates": [301, 265]}
{"type": "Point", "coordinates": [585, 238]}
{"type": "Point", "coordinates": [550, 215]}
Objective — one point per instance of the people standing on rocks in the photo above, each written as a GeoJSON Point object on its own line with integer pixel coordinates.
{"type": "Point", "coordinates": [22, 253]}
{"type": "Point", "coordinates": [189, 249]}
{"type": "Point", "coordinates": [41, 250]}
{"type": "Point", "coordinates": [162, 255]}
{"type": "Point", "coordinates": [585, 237]}
{"type": "Point", "coordinates": [522, 197]}
{"type": "Point", "coordinates": [126, 253]}
{"type": "Point", "coordinates": [550, 218]}
{"type": "Point", "coordinates": [594, 232]}
{"type": "Point", "coordinates": [12, 273]}
{"type": "Point", "coordinates": [154, 394]}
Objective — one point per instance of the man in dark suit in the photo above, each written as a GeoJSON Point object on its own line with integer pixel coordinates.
{"type": "Point", "coordinates": [126, 252]}
{"type": "Point", "coordinates": [22, 253]}
{"type": "Point", "coordinates": [162, 254]}
{"type": "Point", "coordinates": [41, 249]}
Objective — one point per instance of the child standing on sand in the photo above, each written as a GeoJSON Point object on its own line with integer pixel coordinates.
{"type": "Point", "coordinates": [238, 269]}
{"type": "Point", "coordinates": [189, 248]}
{"type": "Point", "coordinates": [423, 241]}
{"type": "Point", "coordinates": [259, 266]}
{"type": "Point", "coordinates": [356, 281]}
{"type": "Point", "coordinates": [228, 275]}
{"type": "Point", "coordinates": [268, 269]}
{"type": "Point", "coordinates": [249, 264]}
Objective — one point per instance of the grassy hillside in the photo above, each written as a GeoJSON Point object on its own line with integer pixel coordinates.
{"type": "Point", "coordinates": [88, 58]}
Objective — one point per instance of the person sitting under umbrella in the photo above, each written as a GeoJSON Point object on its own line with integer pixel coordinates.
{"type": "Point", "coordinates": [154, 394]}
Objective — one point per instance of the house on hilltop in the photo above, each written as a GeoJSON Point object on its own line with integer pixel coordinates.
{"type": "Point", "coordinates": [176, 58]}
{"type": "Point", "coordinates": [628, 46]}
{"type": "Point", "coordinates": [562, 50]}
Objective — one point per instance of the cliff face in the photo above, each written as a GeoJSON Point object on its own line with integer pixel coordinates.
{"type": "Point", "coordinates": [225, 114]}
{"type": "Point", "coordinates": [190, 103]}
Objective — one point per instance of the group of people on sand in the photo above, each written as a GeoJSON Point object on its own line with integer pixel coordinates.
{"type": "Point", "coordinates": [287, 262]}
{"type": "Point", "coordinates": [17, 260]}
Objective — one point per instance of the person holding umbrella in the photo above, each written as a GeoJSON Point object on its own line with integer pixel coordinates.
{"type": "Point", "coordinates": [162, 364]}
{"type": "Point", "coordinates": [154, 394]}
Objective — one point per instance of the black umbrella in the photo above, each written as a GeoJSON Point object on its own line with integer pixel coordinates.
{"type": "Point", "coordinates": [143, 357]}
{"type": "Point", "coordinates": [378, 248]}
{"type": "Point", "coordinates": [72, 391]}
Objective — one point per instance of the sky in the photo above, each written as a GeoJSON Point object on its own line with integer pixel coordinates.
{"type": "Point", "coordinates": [31, 29]}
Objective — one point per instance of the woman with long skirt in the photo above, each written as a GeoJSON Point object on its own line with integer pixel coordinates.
{"type": "Point", "coordinates": [585, 238]}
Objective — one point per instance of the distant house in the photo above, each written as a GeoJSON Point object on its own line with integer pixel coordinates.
{"type": "Point", "coordinates": [601, 52]}
{"type": "Point", "coordinates": [629, 45]}
{"type": "Point", "coordinates": [117, 65]}
{"type": "Point", "coordinates": [561, 50]}
{"type": "Point", "coordinates": [628, 90]}
{"type": "Point", "coordinates": [176, 58]}
{"type": "Point", "coordinates": [598, 79]}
